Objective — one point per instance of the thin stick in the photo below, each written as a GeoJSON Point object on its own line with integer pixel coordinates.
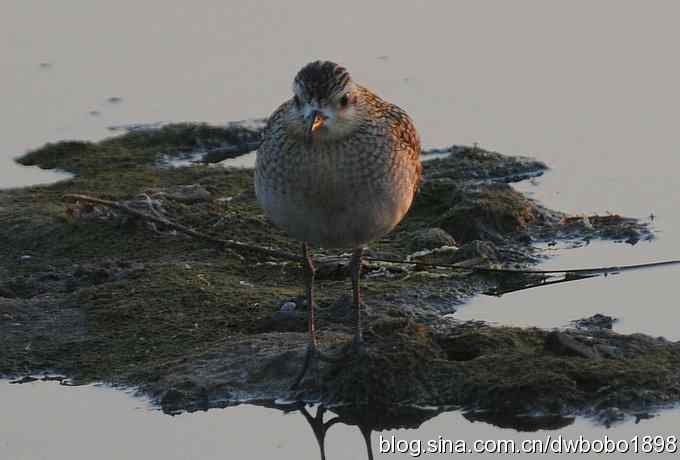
{"type": "Point", "coordinates": [231, 244]}
{"type": "Point", "coordinates": [499, 291]}
{"type": "Point", "coordinates": [585, 271]}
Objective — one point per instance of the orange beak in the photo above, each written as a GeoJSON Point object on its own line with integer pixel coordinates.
{"type": "Point", "coordinates": [318, 121]}
{"type": "Point", "coordinates": [315, 121]}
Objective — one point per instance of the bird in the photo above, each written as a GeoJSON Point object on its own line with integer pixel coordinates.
{"type": "Point", "coordinates": [338, 167]}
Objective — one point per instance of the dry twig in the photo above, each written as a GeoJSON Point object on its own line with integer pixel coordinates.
{"type": "Point", "coordinates": [544, 280]}
{"type": "Point", "coordinates": [158, 219]}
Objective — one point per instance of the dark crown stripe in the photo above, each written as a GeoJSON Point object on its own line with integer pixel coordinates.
{"type": "Point", "coordinates": [322, 79]}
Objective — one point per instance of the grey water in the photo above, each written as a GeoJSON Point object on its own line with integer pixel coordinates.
{"type": "Point", "coordinates": [588, 87]}
{"type": "Point", "coordinates": [44, 420]}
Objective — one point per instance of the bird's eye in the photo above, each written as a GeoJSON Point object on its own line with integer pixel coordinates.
{"type": "Point", "coordinates": [296, 100]}
{"type": "Point", "coordinates": [344, 100]}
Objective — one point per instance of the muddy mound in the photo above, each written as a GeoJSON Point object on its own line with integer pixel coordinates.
{"type": "Point", "coordinates": [100, 294]}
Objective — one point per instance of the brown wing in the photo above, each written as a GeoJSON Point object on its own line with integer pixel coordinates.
{"type": "Point", "coordinates": [274, 125]}
{"type": "Point", "coordinates": [409, 141]}
{"type": "Point", "coordinates": [272, 136]}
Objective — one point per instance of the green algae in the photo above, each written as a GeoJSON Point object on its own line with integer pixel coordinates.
{"type": "Point", "coordinates": [102, 296]}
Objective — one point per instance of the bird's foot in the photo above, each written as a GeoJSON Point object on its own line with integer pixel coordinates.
{"type": "Point", "coordinates": [311, 365]}
{"type": "Point", "coordinates": [358, 342]}
{"type": "Point", "coordinates": [358, 347]}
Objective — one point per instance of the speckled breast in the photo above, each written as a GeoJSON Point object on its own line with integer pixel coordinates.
{"type": "Point", "coordinates": [338, 196]}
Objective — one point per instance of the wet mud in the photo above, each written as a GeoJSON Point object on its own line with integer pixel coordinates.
{"type": "Point", "coordinates": [97, 295]}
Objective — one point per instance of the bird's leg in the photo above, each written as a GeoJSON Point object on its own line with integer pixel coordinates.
{"type": "Point", "coordinates": [355, 273]}
{"type": "Point", "coordinates": [312, 354]}
{"type": "Point", "coordinates": [309, 271]}
{"type": "Point", "coordinates": [366, 433]}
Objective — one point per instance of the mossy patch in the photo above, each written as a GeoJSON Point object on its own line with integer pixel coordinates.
{"type": "Point", "coordinates": [100, 295]}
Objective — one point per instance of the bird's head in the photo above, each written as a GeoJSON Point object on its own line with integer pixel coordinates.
{"type": "Point", "coordinates": [326, 103]}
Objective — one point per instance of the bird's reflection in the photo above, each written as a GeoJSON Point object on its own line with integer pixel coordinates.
{"type": "Point", "coordinates": [369, 419]}
{"type": "Point", "coordinates": [366, 418]}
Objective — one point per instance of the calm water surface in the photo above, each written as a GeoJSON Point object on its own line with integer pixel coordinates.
{"type": "Point", "coordinates": [48, 421]}
{"type": "Point", "coordinates": [590, 88]}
